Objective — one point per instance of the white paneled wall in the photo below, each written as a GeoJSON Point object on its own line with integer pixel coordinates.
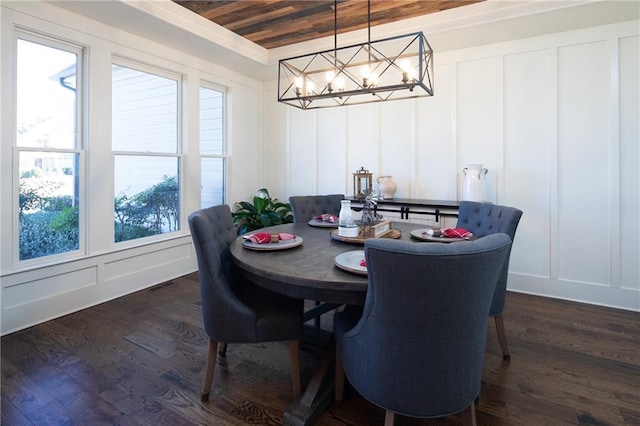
{"type": "Point", "coordinates": [245, 162]}
{"type": "Point", "coordinates": [528, 142]}
{"type": "Point", "coordinates": [627, 239]}
{"type": "Point", "coordinates": [397, 131]}
{"type": "Point", "coordinates": [584, 163]}
{"type": "Point", "coordinates": [555, 120]}
{"type": "Point", "coordinates": [363, 139]}
{"type": "Point", "coordinates": [303, 156]}
{"type": "Point", "coordinates": [435, 129]}
{"type": "Point", "coordinates": [331, 151]}
{"type": "Point", "coordinates": [477, 118]}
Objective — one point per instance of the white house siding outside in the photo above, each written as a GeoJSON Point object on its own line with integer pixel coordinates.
{"type": "Point", "coordinates": [144, 117]}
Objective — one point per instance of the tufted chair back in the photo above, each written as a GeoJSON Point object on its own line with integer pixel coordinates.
{"type": "Point", "coordinates": [231, 305]}
{"type": "Point", "coordinates": [417, 347]}
{"type": "Point", "coordinates": [224, 315]}
{"type": "Point", "coordinates": [305, 207]}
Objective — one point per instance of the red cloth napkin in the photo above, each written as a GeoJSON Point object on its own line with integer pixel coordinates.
{"type": "Point", "coordinates": [265, 237]}
{"type": "Point", "coordinates": [456, 233]}
{"type": "Point", "coordinates": [327, 217]}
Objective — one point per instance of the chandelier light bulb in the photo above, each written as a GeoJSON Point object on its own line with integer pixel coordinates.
{"type": "Point", "coordinates": [365, 71]}
{"type": "Point", "coordinates": [339, 83]}
{"type": "Point", "coordinates": [329, 76]}
{"type": "Point", "coordinates": [310, 87]}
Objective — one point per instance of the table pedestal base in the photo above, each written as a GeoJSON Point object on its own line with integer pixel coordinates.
{"type": "Point", "coordinates": [318, 394]}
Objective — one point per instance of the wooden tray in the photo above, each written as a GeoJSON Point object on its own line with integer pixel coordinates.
{"type": "Point", "coordinates": [393, 233]}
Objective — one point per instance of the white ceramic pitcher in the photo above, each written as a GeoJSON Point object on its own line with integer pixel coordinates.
{"type": "Point", "coordinates": [473, 186]}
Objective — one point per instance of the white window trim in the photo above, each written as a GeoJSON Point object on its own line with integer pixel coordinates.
{"type": "Point", "coordinates": [225, 135]}
{"type": "Point", "coordinates": [81, 52]}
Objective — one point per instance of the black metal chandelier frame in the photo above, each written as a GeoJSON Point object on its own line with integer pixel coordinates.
{"type": "Point", "coordinates": [300, 78]}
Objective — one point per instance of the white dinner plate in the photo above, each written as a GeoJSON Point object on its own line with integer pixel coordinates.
{"type": "Point", "coordinates": [280, 245]}
{"type": "Point", "coordinates": [323, 224]}
{"type": "Point", "coordinates": [350, 261]}
{"type": "Point", "coordinates": [420, 234]}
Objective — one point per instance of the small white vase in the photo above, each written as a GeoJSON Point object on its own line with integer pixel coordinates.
{"type": "Point", "coordinates": [386, 187]}
{"type": "Point", "coordinates": [346, 225]}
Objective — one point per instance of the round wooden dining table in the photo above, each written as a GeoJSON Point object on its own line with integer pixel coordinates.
{"type": "Point", "coordinates": [308, 271]}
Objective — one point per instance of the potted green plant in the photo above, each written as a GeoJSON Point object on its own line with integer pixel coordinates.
{"type": "Point", "coordinates": [265, 211]}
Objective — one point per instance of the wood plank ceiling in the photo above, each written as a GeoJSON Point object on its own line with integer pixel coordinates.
{"type": "Point", "coordinates": [276, 23]}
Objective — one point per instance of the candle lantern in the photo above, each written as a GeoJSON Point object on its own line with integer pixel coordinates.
{"type": "Point", "coordinates": [362, 182]}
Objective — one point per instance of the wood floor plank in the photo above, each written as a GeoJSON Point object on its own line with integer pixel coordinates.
{"type": "Point", "coordinates": [139, 360]}
{"type": "Point", "coordinates": [11, 415]}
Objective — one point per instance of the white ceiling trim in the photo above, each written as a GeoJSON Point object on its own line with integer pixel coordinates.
{"type": "Point", "coordinates": [171, 13]}
{"type": "Point", "coordinates": [481, 23]}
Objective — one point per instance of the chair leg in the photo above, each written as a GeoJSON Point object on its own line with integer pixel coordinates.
{"type": "Point", "coordinates": [317, 319]}
{"type": "Point", "coordinates": [339, 379]}
{"type": "Point", "coordinates": [389, 418]}
{"type": "Point", "coordinates": [223, 350]}
{"type": "Point", "coordinates": [469, 416]}
{"type": "Point", "coordinates": [502, 337]}
{"type": "Point", "coordinates": [208, 375]}
{"type": "Point", "coordinates": [294, 354]}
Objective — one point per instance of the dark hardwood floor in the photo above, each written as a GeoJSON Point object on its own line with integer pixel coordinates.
{"type": "Point", "coordinates": [139, 360]}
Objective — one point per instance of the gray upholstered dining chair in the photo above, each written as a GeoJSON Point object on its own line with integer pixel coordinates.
{"type": "Point", "coordinates": [417, 346]}
{"type": "Point", "coordinates": [305, 207]}
{"type": "Point", "coordinates": [484, 219]}
{"type": "Point", "coordinates": [233, 309]}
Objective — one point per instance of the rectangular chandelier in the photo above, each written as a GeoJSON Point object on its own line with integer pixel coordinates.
{"type": "Point", "coordinates": [398, 67]}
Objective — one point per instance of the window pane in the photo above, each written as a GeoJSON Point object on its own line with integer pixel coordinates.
{"type": "Point", "coordinates": [48, 204]}
{"type": "Point", "coordinates": [211, 119]}
{"type": "Point", "coordinates": [212, 192]}
{"type": "Point", "coordinates": [144, 111]}
{"type": "Point", "coordinates": [147, 200]}
{"type": "Point", "coordinates": [46, 96]}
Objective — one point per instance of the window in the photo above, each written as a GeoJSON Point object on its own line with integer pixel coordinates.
{"type": "Point", "coordinates": [212, 146]}
{"type": "Point", "coordinates": [48, 93]}
{"type": "Point", "coordinates": [146, 147]}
